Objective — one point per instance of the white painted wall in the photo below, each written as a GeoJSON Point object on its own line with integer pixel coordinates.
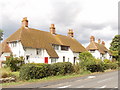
{"type": "Point", "coordinates": [96, 54]}
{"type": "Point", "coordinates": [34, 58]}
{"type": "Point", "coordinates": [69, 55]}
{"type": "Point", "coordinates": [18, 50]}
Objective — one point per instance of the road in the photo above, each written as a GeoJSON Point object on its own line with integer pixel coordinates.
{"type": "Point", "coordinates": [102, 80]}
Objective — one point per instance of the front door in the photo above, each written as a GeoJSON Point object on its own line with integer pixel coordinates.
{"type": "Point", "coordinates": [46, 60]}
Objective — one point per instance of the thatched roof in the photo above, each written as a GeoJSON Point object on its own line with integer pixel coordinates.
{"type": "Point", "coordinates": [41, 39]}
{"type": "Point", "coordinates": [97, 46]}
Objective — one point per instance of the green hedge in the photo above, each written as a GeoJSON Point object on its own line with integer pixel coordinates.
{"type": "Point", "coordinates": [34, 71]}
{"type": "Point", "coordinates": [61, 68]}
{"type": "Point", "coordinates": [95, 68]}
{"type": "Point", "coordinates": [37, 71]}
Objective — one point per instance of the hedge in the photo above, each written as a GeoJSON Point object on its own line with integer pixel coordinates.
{"type": "Point", "coordinates": [61, 68]}
{"type": "Point", "coordinates": [37, 71]}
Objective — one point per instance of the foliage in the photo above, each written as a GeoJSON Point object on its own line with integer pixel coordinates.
{"type": "Point", "coordinates": [14, 63]}
{"type": "Point", "coordinates": [34, 71]}
{"type": "Point", "coordinates": [97, 66]}
{"type": "Point", "coordinates": [115, 43]}
{"type": "Point", "coordinates": [115, 47]}
{"type": "Point", "coordinates": [61, 68]}
{"type": "Point", "coordinates": [77, 68]}
{"type": "Point", "coordinates": [86, 59]}
{"type": "Point", "coordinates": [37, 71]}
{"type": "Point", "coordinates": [106, 61]}
{"type": "Point", "coordinates": [5, 72]}
{"type": "Point", "coordinates": [1, 35]}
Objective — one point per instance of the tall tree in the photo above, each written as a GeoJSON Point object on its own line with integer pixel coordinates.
{"type": "Point", "coordinates": [1, 35]}
{"type": "Point", "coordinates": [115, 46]}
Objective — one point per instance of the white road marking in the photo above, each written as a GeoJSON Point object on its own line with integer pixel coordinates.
{"type": "Point", "coordinates": [104, 80]}
{"type": "Point", "coordinates": [64, 86]}
{"type": "Point", "coordinates": [103, 86]}
{"type": "Point", "coordinates": [91, 77]}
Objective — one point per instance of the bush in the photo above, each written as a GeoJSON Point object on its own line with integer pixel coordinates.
{"type": "Point", "coordinates": [95, 68]}
{"type": "Point", "coordinates": [61, 68]}
{"type": "Point", "coordinates": [77, 68]}
{"type": "Point", "coordinates": [37, 71]}
{"type": "Point", "coordinates": [14, 63]}
{"type": "Point", "coordinates": [113, 65]}
{"type": "Point", "coordinates": [106, 61]}
{"type": "Point", "coordinates": [5, 72]}
{"type": "Point", "coordinates": [34, 71]}
{"type": "Point", "coordinates": [86, 59]}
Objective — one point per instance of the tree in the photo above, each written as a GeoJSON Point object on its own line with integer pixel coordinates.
{"type": "Point", "coordinates": [115, 47]}
{"type": "Point", "coordinates": [1, 35]}
{"type": "Point", "coordinates": [86, 59]}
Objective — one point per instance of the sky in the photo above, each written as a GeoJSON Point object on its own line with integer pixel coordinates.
{"type": "Point", "coordinates": [86, 17]}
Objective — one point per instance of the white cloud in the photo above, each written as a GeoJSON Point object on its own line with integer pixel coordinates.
{"type": "Point", "coordinates": [86, 17]}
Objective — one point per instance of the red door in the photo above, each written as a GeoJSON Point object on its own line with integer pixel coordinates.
{"type": "Point", "coordinates": [46, 60]}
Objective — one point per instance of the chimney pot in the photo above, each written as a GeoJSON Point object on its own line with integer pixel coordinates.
{"type": "Point", "coordinates": [25, 22]}
{"type": "Point", "coordinates": [92, 38]}
{"type": "Point", "coordinates": [70, 33]}
{"type": "Point", "coordinates": [52, 29]}
{"type": "Point", "coordinates": [99, 41]}
{"type": "Point", "coordinates": [103, 43]}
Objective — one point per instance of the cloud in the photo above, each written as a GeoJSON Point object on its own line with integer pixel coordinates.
{"type": "Point", "coordinates": [85, 17]}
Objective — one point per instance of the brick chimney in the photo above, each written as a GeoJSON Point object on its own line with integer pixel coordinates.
{"type": "Point", "coordinates": [103, 43]}
{"type": "Point", "coordinates": [52, 29]}
{"type": "Point", "coordinates": [92, 38]}
{"type": "Point", "coordinates": [25, 22]}
{"type": "Point", "coordinates": [99, 41]}
{"type": "Point", "coordinates": [70, 33]}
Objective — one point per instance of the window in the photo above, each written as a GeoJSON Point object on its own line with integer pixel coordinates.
{"type": "Point", "coordinates": [74, 59]}
{"type": "Point", "coordinates": [13, 44]}
{"type": "Point", "coordinates": [65, 48]}
{"type": "Point", "coordinates": [92, 51]}
{"type": "Point", "coordinates": [53, 60]}
{"type": "Point", "coordinates": [27, 57]}
{"type": "Point", "coordinates": [56, 47]}
{"type": "Point", "coordinates": [39, 51]}
{"type": "Point", "coordinates": [63, 58]}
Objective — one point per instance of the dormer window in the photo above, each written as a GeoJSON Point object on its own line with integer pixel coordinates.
{"type": "Point", "coordinates": [92, 51]}
{"type": "Point", "coordinates": [65, 48]}
{"type": "Point", "coordinates": [38, 51]}
{"type": "Point", "coordinates": [13, 44]}
{"type": "Point", "coordinates": [56, 47]}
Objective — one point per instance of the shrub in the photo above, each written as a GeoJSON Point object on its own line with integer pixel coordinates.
{"type": "Point", "coordinates": [106, 61]}
{"type": "Point", "coordinates": [34, 71]}
{"type": "Point", "coordinates": [5, 72]}
{"type": "Point", "coordinates": [86, 59]}
{"type": "Point", "coordinates": [113, 65]}
{"type": "Point", "coordinates": [61, 68]}
{"type": "Point", "coordinates": [37, 71]}
{"type": "Point", "coordinates": [95, 68]}
{"type": "Point", "coordinates": [77, 68]}
{"type": "Point", "coordinates": [14, 63]}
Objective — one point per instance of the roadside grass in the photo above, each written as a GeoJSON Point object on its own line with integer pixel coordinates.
{"type": "Point", "coordinates": [46, 79]}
